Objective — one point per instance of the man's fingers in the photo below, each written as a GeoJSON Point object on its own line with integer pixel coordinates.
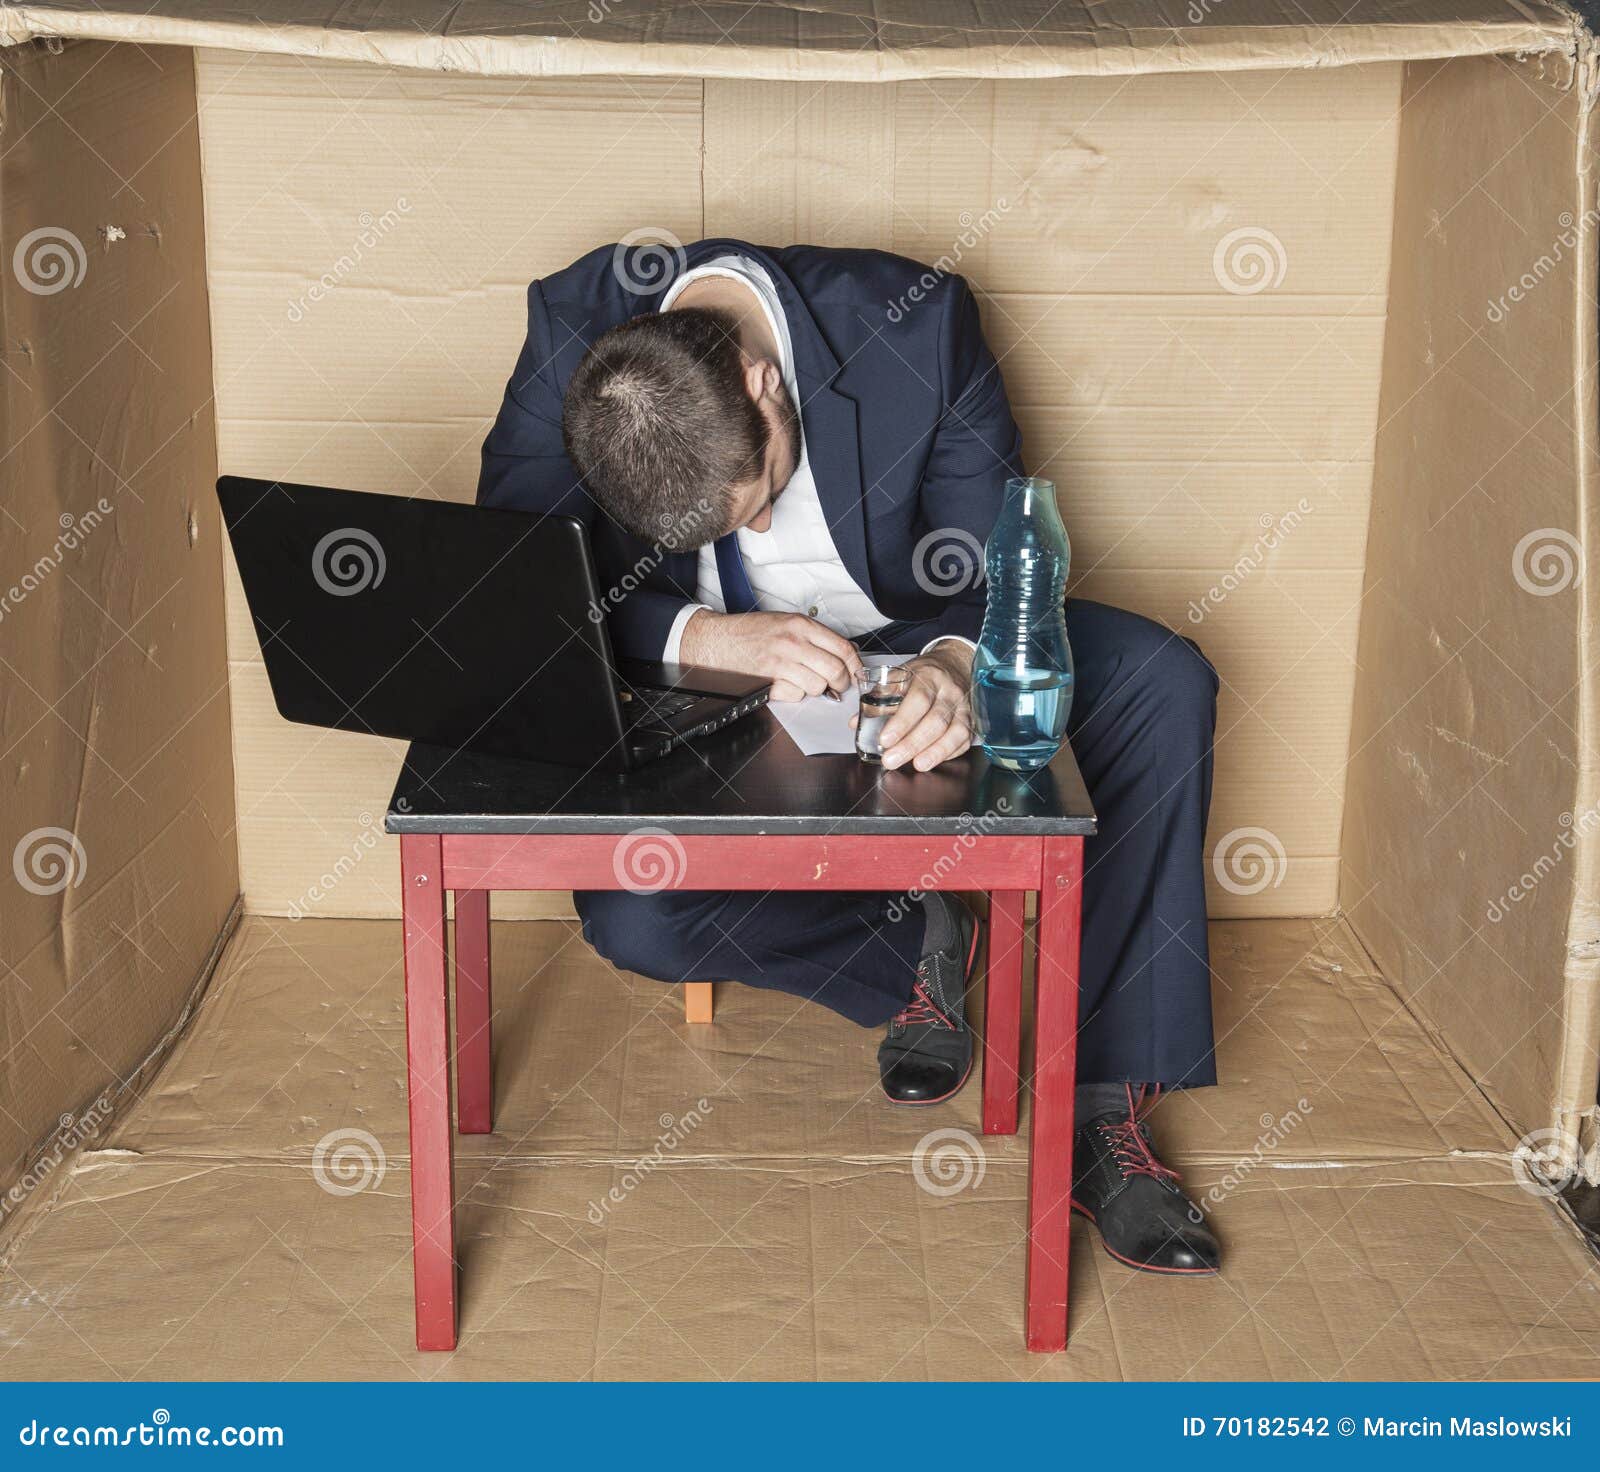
{"type": "Point", "coordinates": [921, 736]}
{"type": "Point", "coordinates": [785, 690]}
{"type": "Point", "coordinates": [808, 679]}
{"type": "Point", "coordinates": [918, 701]}
{"type": "Point", "coordinates": [836, 644]}
{"type": "Point", "coordinates": [830, 652]}
{"type": "Point", "coordinates": [956, 739]}
{"type": "Point", "coordinates": [939, 724]}
{"type": "Point", "coordinates": [828, 667]}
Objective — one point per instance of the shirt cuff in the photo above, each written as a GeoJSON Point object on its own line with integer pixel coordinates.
{"type": "Point", "coordinates": [947, 639]}
{"type": "Point", "coordinates": [669, 655]}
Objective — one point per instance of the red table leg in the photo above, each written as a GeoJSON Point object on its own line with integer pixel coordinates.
{"type": "Point", "coordinates": [474, 1009]}
{"type": "Point", "coordinates": [1054, 1078]}
{"type": "Point", "coordinates": [428, 1079]}
{"type": "Point", "coordinates": [1002, 1013]}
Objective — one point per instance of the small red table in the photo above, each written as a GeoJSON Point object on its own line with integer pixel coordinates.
{"type": "Point", "coordinates": [742, 810]}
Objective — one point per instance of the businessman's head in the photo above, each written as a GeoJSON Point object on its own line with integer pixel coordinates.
{"type": "Point", "coordinates": [678, 431]}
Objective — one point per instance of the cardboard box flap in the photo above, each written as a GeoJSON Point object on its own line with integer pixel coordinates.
{"type": "Point", "coordinates": [1490, 362]}
{"type": "Point", "coordinates": [118, 810]}
{"type": "Point", "coordinates": [829, 40]}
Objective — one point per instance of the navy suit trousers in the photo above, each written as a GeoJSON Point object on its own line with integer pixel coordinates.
{"type": "Point", "coordinates": [1143, 718]}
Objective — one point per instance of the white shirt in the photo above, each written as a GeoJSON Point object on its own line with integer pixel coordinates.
{"type": "Point", "coordinates": [793, 566]}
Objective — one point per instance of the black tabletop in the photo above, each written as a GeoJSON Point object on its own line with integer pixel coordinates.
{"type": "Point", "coordinates": [747, 778]}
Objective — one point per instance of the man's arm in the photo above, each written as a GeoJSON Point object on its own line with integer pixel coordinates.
{"type": "Point", "coordinates": [525, 468]}
{"type": "Point", "coordinates": [976, 449]}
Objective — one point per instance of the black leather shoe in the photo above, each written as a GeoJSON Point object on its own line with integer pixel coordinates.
{"type": "Point", "coordinates": [1145, 1220]}
{"type": "Point", "coordinates": [927, 1054]}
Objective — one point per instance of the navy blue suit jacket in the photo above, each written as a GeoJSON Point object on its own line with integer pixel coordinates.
{"type": "Point", "coordinates": [904, 413]}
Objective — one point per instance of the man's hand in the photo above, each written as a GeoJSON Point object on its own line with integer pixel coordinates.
{"type": "Point", "coordinates": [800, 656]}
{"type": "Point", "coordinates": [934, 722]}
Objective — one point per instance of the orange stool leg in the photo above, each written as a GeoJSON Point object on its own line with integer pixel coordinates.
{"type": "Point", "coordinates": [697, 1005]}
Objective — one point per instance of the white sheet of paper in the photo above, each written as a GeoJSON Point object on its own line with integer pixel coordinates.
{"type": "Point", "coordinates": [821, 727]}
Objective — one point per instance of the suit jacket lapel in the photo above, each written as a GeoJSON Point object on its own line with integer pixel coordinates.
{"type": "Point", "coordinates": [833, 444]}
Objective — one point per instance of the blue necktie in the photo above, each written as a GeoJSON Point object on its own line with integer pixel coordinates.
{"type": "Point", "coordinates": [737, 595]}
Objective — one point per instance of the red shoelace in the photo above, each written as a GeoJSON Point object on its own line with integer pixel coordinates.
{"type": "Point", "coordinates": [922, 1009]}
{"type": "Point", "coordinates": [1129, 1143]}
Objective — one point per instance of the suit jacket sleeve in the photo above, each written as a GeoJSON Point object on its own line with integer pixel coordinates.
{"type": "Point", "coordinates": [525, 468]}
{"type": "Point", "coordinates": [976, 449]}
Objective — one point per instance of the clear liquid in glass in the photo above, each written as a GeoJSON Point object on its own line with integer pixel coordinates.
{"type": "Point", "coordinates": [876, 708]}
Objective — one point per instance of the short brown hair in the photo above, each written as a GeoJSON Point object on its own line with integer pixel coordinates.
{"type": "Point", "coordinates": [659, 424]}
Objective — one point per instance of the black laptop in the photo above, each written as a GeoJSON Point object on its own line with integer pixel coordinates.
{"type": "Point", "coordinates": [456, 625]}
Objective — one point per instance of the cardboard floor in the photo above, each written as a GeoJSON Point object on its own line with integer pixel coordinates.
{"type": "Point", "coordinates": [250, 1218]}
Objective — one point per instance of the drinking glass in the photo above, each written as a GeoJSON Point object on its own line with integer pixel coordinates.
{"type": "Point", "coordinates": [882, 688]}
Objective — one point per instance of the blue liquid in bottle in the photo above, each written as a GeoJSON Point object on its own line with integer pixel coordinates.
{"type": "Point", "coordinates": [1022, 671]}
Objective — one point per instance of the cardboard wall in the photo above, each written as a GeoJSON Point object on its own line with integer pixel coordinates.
{"type": "Point", "coordinates": [116, 820]}
{"type": "Point", "coordinates": [1183, 420]}
{"type": "Point", "coordinates": [1472, 822]}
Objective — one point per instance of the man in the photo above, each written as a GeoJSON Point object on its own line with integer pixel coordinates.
{"type": "Point", "coordinates": [768, 447]}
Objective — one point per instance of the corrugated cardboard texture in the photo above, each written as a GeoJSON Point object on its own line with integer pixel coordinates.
{"type": "Point", "coordinates": [1373, 1221]}
{"type": "Point", "coordinates": [1188, 424]}
{"type": "Point", "coordinates": [838, 40]}
{"type": "Point", "coordinates": [1471, 823]}
{"type": "Point", "coordinates": [117, 801]}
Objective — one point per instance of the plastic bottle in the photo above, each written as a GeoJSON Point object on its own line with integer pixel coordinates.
{"type": "Point", "coordinates": [1022, 671]}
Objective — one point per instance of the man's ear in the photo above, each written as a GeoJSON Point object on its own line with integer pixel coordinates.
{"type": "Point", "coordinates": [761, 378]}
